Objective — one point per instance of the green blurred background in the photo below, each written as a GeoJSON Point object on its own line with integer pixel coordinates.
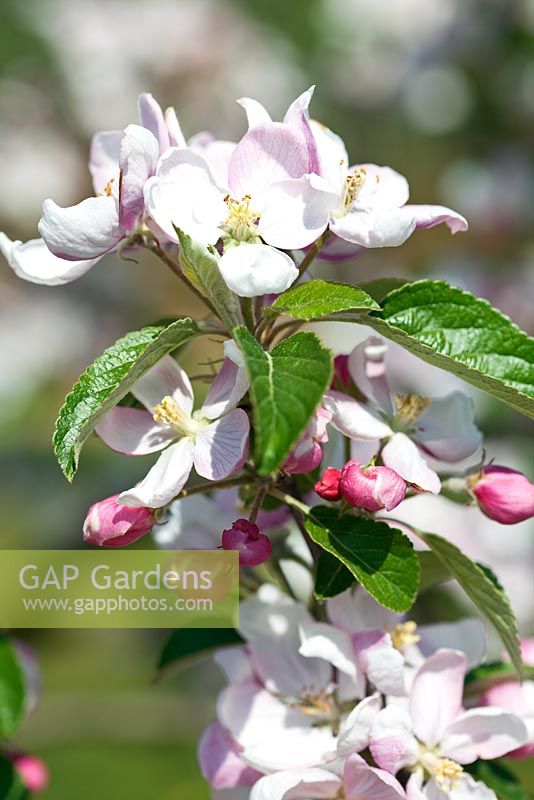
{"type": "Point", "coordinates": [442, 90]}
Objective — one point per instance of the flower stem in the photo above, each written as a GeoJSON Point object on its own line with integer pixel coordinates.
{"type": "Point", "coordinates": [211, 486]}
{"type": "Point", "coordinates": [314, 250]}
{"type": "Point", "coordinates": [289, 500]}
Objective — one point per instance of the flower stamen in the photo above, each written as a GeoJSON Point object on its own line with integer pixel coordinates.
{"type": "Point", "coordinates": [409, 407]}
{"type": "Point", "coordinates": [404, 634]}
{"type": "Point", "coordinates": [168, 412]}
{"type": "Point", "coordinates": [445, 772]}
{"type": "Point", "coordinates": [353, 186]}
{"type": "Point", "coordinates": [241, 223]}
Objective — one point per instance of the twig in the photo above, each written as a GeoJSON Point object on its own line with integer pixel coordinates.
{"type": "Point", "coordinates": [211, 486]}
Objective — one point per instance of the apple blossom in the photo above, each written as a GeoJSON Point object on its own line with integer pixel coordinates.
{"type": "Point", "coordinates": [32, 771]}
{"type": "Point", "coordinates": [213, 439]}
{"type": "Point", "coordinates": [254, 547]}
{"type": "Point", "coordinates": [307, 453]}
{"type": "Point", "coordinates": [503, 494]}
{"type": "Point", "coordinates": [371, 488]}
{"type": "Point", "coordinates": [328, 486]}
{"type": "Point", "coordinates": [110, 524]}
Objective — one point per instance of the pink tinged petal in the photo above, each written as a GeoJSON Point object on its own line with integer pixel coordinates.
{"type": "Point", "coordinates": [252, 270]}
{"type": "Point", "coordinates": [32, 261]}
{"type": "Point", "coordinates": [447, 428]}
{"type": "Point", "coordinates": [355, 610]}
{"type": "Point", "coordinates": [176, 137]}
{"type": "Point", "coordinates": [466, 635]}
{"type": "Point", "coordinates": [294, 212]}
{"type": "Point", "coordinates": [298, 115]}
{"type": "Point", "coordinates": [483, 733]}
{"type": "Point", "coordinates": [371, 488]}
{"type": "Point", "coordinates": [355, 732]}
{"type": "Point", "coordinates": [362, 782]}
{"type": "Point", "coordinates": [384, 188]}
{"type": "Point", "coordinates": [185, 195]}
{"type": "Point", "coordinates": [436, 696]}
{"type": "Point", "coordinates": [268, 153]}
{"type": "Point", "coordinates": [165, 378]}
{"type": "Point", "coordinates": [352, 419]}
{"type": "Point", "coordinates": [403, 456]}
{"type": "Point", "coordinates": [367, 368]}
{"type": "Point", "coordinates": [305, 457]}
{"type": "Point", "coordinates": [429, 216]}
{"type": "Point", "coordinates": [382, 663]}
{"type": "Point", "coordinates": [138, 160]}
{"type": "Point", "coordinates": [256, 113]}
{"type": "Point", "coordinates": [153, 120]}
{"type": "Point", "coordinates": [321, 640]}
{"type": "Point", "coordinates": [298, 784]}
{"type": "Point", "coordinates": [104, 159]}
{"type": "Point", "coordinates": [220, 764]}
{"type": "Point", "coordinates": [221, 447]}
{"type": "Point", "coordinates": [392, 743]}
{"type": "Point", "coordinates": [235, 663]}
{"type": "Point", "coordinates": [333, 157]}
{"type": "Point", "coordinates": [132, 431]}
{"type": "Point", "coordinates": [166, 478]}
{"type": "Point", "coordinates": [414, 787]}
{"type": "Point", "coordinates": [466, 789]}
{"type": "Point", "coordinates": [85, 231]}
{"type": "Point", "coordinates": [373, 227]}
{"type": "Point", "coordinates": [229, 386]}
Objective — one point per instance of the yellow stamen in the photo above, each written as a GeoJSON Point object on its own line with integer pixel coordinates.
{"type": "Point", "coordinates": [445, 772]}
{"type": "Point", "coordinates": [168, 412]}
{"type": "Point", "coordinates": [404, 634]}
{"type": "Point", "coordinates": [353, 186]}
{"type": "Point", "coordinates": [313, 704]}
{"type": "Point", "coordinates": [409, 407]}
{"type": "Point", "coordinates": [242, 220]}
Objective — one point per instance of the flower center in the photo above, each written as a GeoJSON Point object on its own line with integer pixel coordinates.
{"type": "Point", "coordinates": [168, 412]}
{"type": "Point", "coordinates": [404, 634]}
{"type": "Point", "coordinates": [108, 189]}
{"type": "Point", "coordinates": [241, 222]}
{"type": "Point", "coordinates": [319, 704]}
{"type": "Point", "coordinates": [445, 772]}
{"type": "Point", "coordinates": [409, 407]}
{"type": "Point", "coordinates": [353, 186]}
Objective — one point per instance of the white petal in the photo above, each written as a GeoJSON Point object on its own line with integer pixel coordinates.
{"type": "Point", "coordinates": [234, 662]}
{"type": "Point", "coordinates": [32, 261]}
{"type": "Point", "coordinates": [252, 270]}
{"type": "Point", "coordinates": [221, 447]}
{"type": "Point", "coordinates": [138, 160]}
{"type": "Point", "coordinates": [436, 696]}
{"type": "Point", "coordinates": [374, 227]}
{"type": "Point", "coordinates": [104, 159]}
{"type": "Point", "coordinates": [447, 428]}
{"type": "Point", "coordinates": [256, 113]}
{"type": "Point", "coordinates": [176, 137]}
{"type": "Point", "coordinates": [226, 390]}
{"type": "Point", "coordinates": [295, 212]}
{"type": "Point", "coordinates": [320, 640]}
{"type": "Point", "coordinates": [367, 368]}
{"type": "Point", "coordinates": [392, 742]}
{"type": "Point", "coordinates": [356, 729]}
{"type": "Point", "coordinates": [333, 155]}
{"type": "Point", "coordinates": [133, 431]}
{"type": "Point", "coordinates": [466, 789]}
{"type": "Point", "coordinates": [466, 635]}
{"type": "Point", "coordinates": [355, 610]}
{"type": "Point", "coordinates": [385, 669]}
{"type": "Point", "coordinates": [166, 377]}
{"type": "Point", "coordinates": [301, 784]}
{"type": "Point", "coordinates": [85, 231]}
{"type": "Point", "coordinates": [352, 419]}
{"type": "Point", "coordinates": [403, 456]}
{"type": "Point", "coordinates": [384, 188]}
{"type": "Point", "coordinates": [426, 216]}
{"type": "Point", "coordinates": [166, 478]}
{"type": "Point", "coordinates": [483, 733]}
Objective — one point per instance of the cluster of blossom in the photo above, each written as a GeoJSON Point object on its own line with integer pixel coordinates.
{"type": "Point", "coordinates": [362, 705]}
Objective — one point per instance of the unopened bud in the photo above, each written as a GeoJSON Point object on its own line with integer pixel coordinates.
{"type": "Point", "coordinates": [328, 486]}
{"type": "Point", "coordinates": [371, 488]}
{"type": "Point", "coordinates": [254, 547]}
{"type": "Point", "coordinates": [503, 494]}
{"type": "Point", "coordinates": [110, 524]}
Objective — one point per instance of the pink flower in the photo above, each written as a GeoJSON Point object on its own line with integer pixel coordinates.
{"type": "Point", "coordinates": [219, 759]}
{"type": "Point", "coordinates": [213, 439]}
{"type": "Point", "coordinates": [341, 372]}
{"type": "Point", "coordinates": [308, 453]}
{"type": "Point", "coordinates": [328, 486]}
{"type": "Point", "coordinates": [110, 524]}
{"type": "Point", "coordinates": [254, 547]}
{"type": "Point", "coordinates": [372, 488]}
{"type": "Point", "coordinates": [32, 770]}
{"type": "Point", "coordinates": [503, 494]}
{"type": "Point", "coordinates": [435, 736]}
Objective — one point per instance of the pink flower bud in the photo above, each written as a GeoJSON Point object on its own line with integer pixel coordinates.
{"type": "Point", "coordinates": [109, 524]}
{"type": "Point", "coordinates": [503, 494]}
{"type": "Point", "coordinates": [308, 453]}
{"type": "Point", "coordinates": [327, 486]}
{"type": "Point", "coordinates": [254, 547]}
{"type": "Point", "coordinates": [372, 488]}
{"type": "Point", "coordinates": [32, 771]}
{"type": "Point", "coordinates": [342, 376]}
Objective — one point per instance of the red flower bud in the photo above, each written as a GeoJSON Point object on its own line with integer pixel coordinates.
{"type": "Point", "coordinates": [254, 547]}
{"type": "Point", "coordinates": [372, 488]}
{"type": "Point", "coordinates": [109, 524]}
{"type": "Point", "coordinates": [327, 486]}
{"type": "Point", "coordinates": [32, 772]}
{"type": "Point", "coordinates": [503, 494]}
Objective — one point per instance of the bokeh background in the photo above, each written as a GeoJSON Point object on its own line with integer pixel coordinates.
{"type": "Point", "coordinates": [442, 90]}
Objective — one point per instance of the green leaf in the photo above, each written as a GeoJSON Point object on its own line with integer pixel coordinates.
{"type": "Point", "coordinates": [200, 266]}
{"type": "Point", "coordinates": [488, 596]}
{"type": "Point", "coordinates": [463, 334]}
{"type": "Point", "coordinates": [108, 380]}
{"type": "Point", "coordinates": [433, 571]}
{"type": "Point", "coordinates": [332, 577]}
{"type": "Point", "coordinates": [317, 298]}
{"type": "Point", "coordinates": [503, 782]}
{"type": "Point", "coordinates": [286, 386]}
{"type": "Point", "coordinates": [185, 645]}
{"type": "Point", "coordinates": [381, 558]}
{"type": "Point", "coordinates": [12, 689]}
{"type": "Point", "coordinates": [380, 287]}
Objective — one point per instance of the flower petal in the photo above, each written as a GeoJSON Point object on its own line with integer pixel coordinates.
{"type": "Point", "coordinates": [436, 696]}
{"type": "Point", "coordinates": [138, 160]}
{"type": "Point", "coordinates": [355, 610]}
{"type": "Point", "coordinates": [333, 157]}
{"type": "Point", "coordinates": [153, 120]}
{"type": "Point", "coordinates": [428, 216]}
{"type": "Point", "coordinates": [295, 212]}
{"type": "Point", "coordinates": [483, 733]}
{"type": "Point", "coordinates": [367, 368]}
{"type": "Point", "coordinates": [132, 431]}
{"type": "Point", "coordinates": [256, 113]}
{"type": "Point", "coordinates": [252, 270]}
{"type": "Point", "coordinates": [382, 663]}
{"type": "Point", "coordinates": [356, 728]}
{"type": "Point", "coordinates": [466, 789]}
{"type": "Point", "coordinates": [104, 159]}
{"type": "Point", "coordinates": [166, 478]}
{"type": "Point", "coordinates": [221, 447]}
{"type": "Point", "coordinates": [466, 635]}
{"type": "Point", "coordinates": [403, 456]}
{"type": "Point", "coordinates": [392, 742]}
{"type": "Point", "coordinates": [362, 781]}
{"type": "Point", "coordinates": [226, 390]}
{"type": "Point", "coordinates": [384, 188]}
{"type": "Point", "coordinates": [298, 784]}
{"type": "Point", "coordinates": [220, 764]}
{"type": "Point", "coordinates": [84, 231]}
{"type": "Point", "coordinates": [447, 429]}
{"type": "Point", "coordinates": [321, 640]}
{"type": "Point", "coordinates": [353, 419]}
{"type": "Point", "coordinates": [32, 261]}
{"type": "Point", "coordinates": [166, 377]}
{"type": "Point", "coordinates": [298, 115]}
{"type": "Point", "coordinates": [374, 227]}
{"type": "Point", "coordinates": [268, 153]}
{"type": "Point", "coordinates": [176, 137]}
